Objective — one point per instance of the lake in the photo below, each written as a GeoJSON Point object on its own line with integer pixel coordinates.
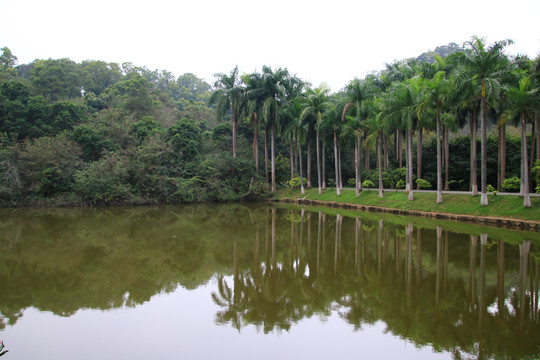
{"type": "Point", "coordinates": [254, 281]}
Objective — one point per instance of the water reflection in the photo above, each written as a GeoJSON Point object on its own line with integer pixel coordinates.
{"type": "Point", "coordinates": [470, 295]}
{"type": "Point", "coordinates": [473, 293]}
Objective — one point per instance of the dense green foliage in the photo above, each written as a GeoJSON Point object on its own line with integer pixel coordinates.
{"type": "Point", "coordinates": [104, 133]}
{"type": "Point", "coordinates": [101, 133]}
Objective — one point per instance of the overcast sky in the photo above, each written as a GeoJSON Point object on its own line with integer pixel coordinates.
{"type": "Point", "coordinates": [320, 41]}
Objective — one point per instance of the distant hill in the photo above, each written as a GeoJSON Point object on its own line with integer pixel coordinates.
{"type": "Point", "coordinates": [443, 51]}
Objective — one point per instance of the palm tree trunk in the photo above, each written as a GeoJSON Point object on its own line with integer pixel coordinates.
{"type": "Point", "coordinates": [419, 156]}
{"type": "Point", "coordinates": [323, 160]}
{"type": "Point", "coordinates": [366, 152]}
{"type": "Point", "coordinates": [502, 156]}
{"type": "Point", "coordinates": [339, 167]}
{"type": "Point", "coordinates": [386, 153]}
{"type": "Point", "coordinates": [410, 163]}
{"type": "Point", "coordinates": [300, 164]}
{"type": "Point", "coordinates": [446, 159]}
{"type": "Point", "coordinates": [273, 155]}
{"type": "Point", "coordinates": [379, 164]}
{"type": "Point", "coordinates": [255, 145]}
{"type": "Point", "coordinates": [407, 178]}
{"type": "Point", "coordinates": [533, 135]}
{"type": "Point", "coordinates": [399, 146]}
{"type": "Point", "coordinates": [234, 130]}
{"type": "Point", "coordinates": [538, 137]}
{"type": "Point", "coordinates": [357, 165]}
{"type": "Point", "coordinates": [291, 156]}
{"type": "Point", "coordinates": [525, 165]}
{"type": "Point", "coordinates": [308, 164]}
{"type": "Point", "coordinates": [266, 157]}
{"type": "Point", "coordinates": [474, 174]}
{"type": "Point", "coordinates": [439, 165]}
{"type": "Point", "coordinates": [338, 192]}
{"type": "Point", "coordinates": [318, 164]}
{"type": "Point", "coordinates": [483, 150]}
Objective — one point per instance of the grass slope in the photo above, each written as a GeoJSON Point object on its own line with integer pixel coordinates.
{"type": "Point", "coordinates": [508, 206]}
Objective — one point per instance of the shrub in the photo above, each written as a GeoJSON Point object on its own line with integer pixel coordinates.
{"type": "Point", "coordinates": [393, 177]}
{"type": "Point", "coordinates": [295, 182]}
{"type": "Point", "coordinates": [490, 188]}
{"type": "Point", "coordinates": [104, 181]}
{"type": "Point", "coordinates": [536, 171]}
{"type": "Point", "coordinates": [47, 165]}
{"type": "Point", "coordinates": [368, 184]}
{"type": "Point", "coordinates": [423, 184]}
{"type": "Point", "coordinates": [512, 184]}
{"type": "Point", "coordinates": [400, 184]}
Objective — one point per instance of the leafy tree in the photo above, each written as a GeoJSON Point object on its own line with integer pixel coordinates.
{"type": "Point", "coordinates": [7, 59]}
{"type": "Point", "coordinates": [7, 64]}
{"type": "Point", "coordinates": [105, 181]}
{"type": "Point", "coordinates": [145, 127]}
{"type": "Point", "coordinates": [57, 79]}
{"type": "Point", "coordinates": [92, 141]}
{"type": "Point", "coordinates": [99, 75]}
{"type": "Point", "coordinates": [185, 137]}
{"type": "Point", "coordinates": [47, 165]}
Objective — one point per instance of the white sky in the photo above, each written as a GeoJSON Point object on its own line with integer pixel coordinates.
{"type": "Point", "coordinates": [320, 41]}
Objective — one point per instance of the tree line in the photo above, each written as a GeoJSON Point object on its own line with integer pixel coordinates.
{"type": "Point", "coordinates": [473, 86]}
{"type": "Point", "coordinates": [104, 133]}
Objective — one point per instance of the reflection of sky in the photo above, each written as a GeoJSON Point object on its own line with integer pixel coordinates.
{"type": "Point", "coordinates": [180, 325]}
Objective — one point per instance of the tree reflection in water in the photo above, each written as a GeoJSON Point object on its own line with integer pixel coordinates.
{"type": "Point", "coordinates": [454, 287]}
{"type": "Point", "coordinates": [425, 290]}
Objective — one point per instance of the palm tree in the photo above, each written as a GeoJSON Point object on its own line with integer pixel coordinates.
{"type": "Point", "coordinates": [535, 71]}
{"type": "Point", "coordinates": [357, 92]}
{"type": "Point", "coordinates": [254, 95]}
{"type": "Point", "coordinates": [228, 95]}
{"type": "Point", "coordinates": [376, 124]}
{"type": "Point", "coordinates": [523, 102]}
{"type": "Point", "coordinates": [484, 66]}
{"type": "Point", "coordinates": [274, 85]}
{"type": "Point", "coordinates": [293, 128]}
{"type": "Point", "coordinates": [331, 124]}
{"type": "Point", "coordinates": [402, 102]}
{"type": "Point", "coordinates": [436, 95]}
{"type": "Point", "coordinates": [316, 104]}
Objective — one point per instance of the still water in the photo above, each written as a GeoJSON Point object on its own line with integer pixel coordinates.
{"type": "Point", "coordinates": [253, 281]}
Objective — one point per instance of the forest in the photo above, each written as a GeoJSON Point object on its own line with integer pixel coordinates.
{"type": "Point", "coordinates": [461, 117]}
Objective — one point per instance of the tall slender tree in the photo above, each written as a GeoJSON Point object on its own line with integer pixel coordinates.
{"type": "Point", "coordinates": [357, 92]}
{"type": "Point", "coordinates": [228, 94]}
{"type": "Point", "coordinates": [484, 65]}
{"type": "Point", "coordinates": [435, 96]}
{"type": "Point", "coordinates": [254, 96]}
{"type": "Point", "coordinates": [402, 102]}
{"type": "Point", "coordinates": [274, 83]}
{"type": "Point", "coordinates": [523, 103]}
{"type": "Point", "coordinates": [316, 103]}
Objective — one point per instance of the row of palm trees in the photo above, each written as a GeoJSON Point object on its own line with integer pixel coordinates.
{"type": "Point", "coordinates": [478, 83]}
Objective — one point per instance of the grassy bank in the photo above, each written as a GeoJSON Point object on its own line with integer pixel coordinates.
{"type": "Point", "coordinates": [499, 206]}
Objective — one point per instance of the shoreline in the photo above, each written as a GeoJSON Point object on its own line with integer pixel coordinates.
{"type": "Point", "coordinates": [486, 220]}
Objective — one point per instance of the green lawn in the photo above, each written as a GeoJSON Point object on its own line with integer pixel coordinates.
{"type": "Point", "coordinates": [500, 206]}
